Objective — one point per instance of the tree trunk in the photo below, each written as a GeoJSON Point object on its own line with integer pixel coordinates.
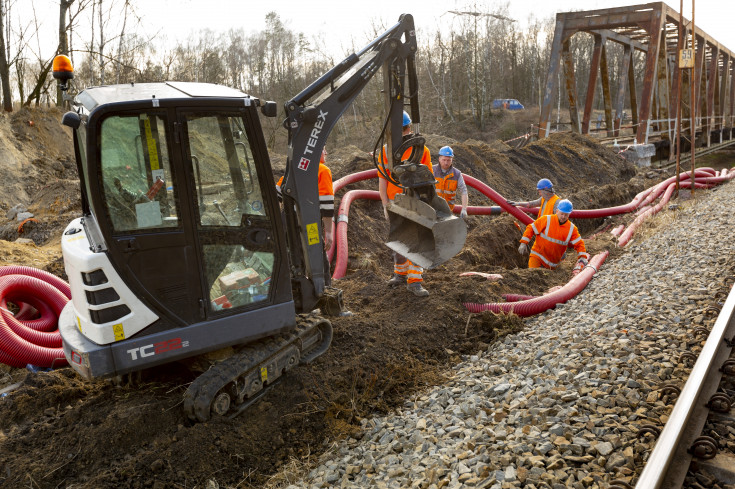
{"type": "Point", "coordinates": [35, 94]}
{"type": "Point", "coordinates": [4, 68]}
{"type": "Point", "coordinates": [102, 45]}
{"type": "Point", "coordinates": [63, 41]}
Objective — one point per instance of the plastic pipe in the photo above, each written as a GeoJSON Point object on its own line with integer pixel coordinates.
{"type": "Point", "coordinates": [518, 297]}
{"type": "Point", "coordinates": [20, 345]}
{"type": "Point", "coordinates": [540, 304]}
{"type": "Point", "coordinates": [340, 265]}
{"type": "Point", "coordinates": [498, 199]}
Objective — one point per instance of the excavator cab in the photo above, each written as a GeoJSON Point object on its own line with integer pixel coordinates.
{"type": "Point", "coordinates": [181, 241]}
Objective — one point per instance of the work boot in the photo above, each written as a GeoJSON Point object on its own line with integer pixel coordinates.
{"type": "Point", "coordinates": [396, 280]}
{"type": "Point", "coordinates": [417, 289]}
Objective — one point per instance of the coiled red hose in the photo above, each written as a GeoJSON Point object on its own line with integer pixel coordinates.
{"type": "Point", "coordinates": [540, 304]}
{"type": "Point", "coordinates": [26, 341]}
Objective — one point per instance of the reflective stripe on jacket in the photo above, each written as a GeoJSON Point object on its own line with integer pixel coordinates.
{"type": "Point", "coordinates": [446, 185]}
{"type": "Point", "coordinates": [326, 191]}
{"type": "Point", "coordinates": [552, 240]}
{"type": "Point", "coordinates": [548, 207]}
{"type": "Point", "coordinates": [392, 190]}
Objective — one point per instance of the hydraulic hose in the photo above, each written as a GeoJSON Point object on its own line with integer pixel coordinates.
{"type": "Point", "coordinates": [530, 307]}
{"type": "Point", "coordinates": [26, 341]}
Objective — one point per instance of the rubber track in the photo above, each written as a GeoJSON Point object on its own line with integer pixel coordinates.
{"type": "Point", "coordinates": [200, 394]}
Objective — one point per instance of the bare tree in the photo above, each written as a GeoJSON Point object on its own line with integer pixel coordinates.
{"type": "Point", "coordinates": [4, 68]}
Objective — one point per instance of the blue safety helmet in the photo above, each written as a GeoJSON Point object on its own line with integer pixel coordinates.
{"type": "Point", "coordinates": [446, 151]}
{"type": "Point", "coordinates": [565, 206]}
{"type": "Point", "coordinates": [544, 184]}
{"type": "Point", "coordinates": [406, 119]}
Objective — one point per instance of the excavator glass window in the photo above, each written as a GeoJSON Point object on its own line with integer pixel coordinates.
{"type": "Point", "coordinates": [136, 172]}
{"type": "Point", "coordinates": [233, 226]}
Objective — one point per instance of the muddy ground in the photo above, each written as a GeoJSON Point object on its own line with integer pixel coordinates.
{"type": "Point", "coordinates": [59, 431]}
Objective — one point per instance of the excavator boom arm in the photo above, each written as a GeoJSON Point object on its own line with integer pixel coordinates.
{"type": "Point", "coordinates": [310, 117]}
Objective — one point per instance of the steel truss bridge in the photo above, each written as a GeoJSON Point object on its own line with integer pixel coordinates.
{"type": "Point", "coordinates": [658, 33]}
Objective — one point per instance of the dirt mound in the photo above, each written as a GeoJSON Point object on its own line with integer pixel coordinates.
{"type": "Point", "coordinates": [57, 430]}
{"type": "Point", "coordinates": [39, 173]}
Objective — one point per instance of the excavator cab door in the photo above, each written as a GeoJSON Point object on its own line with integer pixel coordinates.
{"type": "Point", "coordinates": [233, 210]}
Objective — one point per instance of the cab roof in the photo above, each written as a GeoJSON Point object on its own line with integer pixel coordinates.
{"type": "Point", "coordinates": [130, 92]}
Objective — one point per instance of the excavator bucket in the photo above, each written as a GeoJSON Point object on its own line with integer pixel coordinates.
{"type": "Point", "coordinates": [427, 233]}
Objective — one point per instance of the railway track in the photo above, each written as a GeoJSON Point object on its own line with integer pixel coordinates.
{"type": "Point", "coordinates": [690, 446]}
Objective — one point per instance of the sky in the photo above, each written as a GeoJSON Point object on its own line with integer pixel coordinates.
{"type": "Point", "coordinates": [344, 24]}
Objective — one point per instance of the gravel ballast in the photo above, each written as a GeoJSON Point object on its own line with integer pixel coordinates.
{"type": "Point", "coordinates": [560, 404]}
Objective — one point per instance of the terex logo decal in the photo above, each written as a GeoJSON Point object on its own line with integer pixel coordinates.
{"type": "Point", "coordinates": [313, 139]}
{"type": "Point", "coordinates": [157, 348]}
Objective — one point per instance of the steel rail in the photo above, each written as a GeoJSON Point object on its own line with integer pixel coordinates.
{"type": "Point", "coordinates": [690, 411]}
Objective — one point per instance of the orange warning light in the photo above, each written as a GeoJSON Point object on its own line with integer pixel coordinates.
{"type": "Point", "coordinates": [62, 68]}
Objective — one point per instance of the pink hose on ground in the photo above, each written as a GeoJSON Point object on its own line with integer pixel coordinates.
{"type": "Point", "coordinates": [642, 199]}
{"type": "Point", "coordinates": [628, 233]}
{"type": "Point", "coordinates": [617, 230]}
{"type": "Point", "coordinates": [517, 297]}
{"type": "Point", "coordinates": [702, 180]}
{"type": "Point", "coordinates": [40, 274]}
{"type": "Point", "coordinates": [537, 305]}
{"type": "Point", "coordinates": [338, 185]}
{"type": "Point", "coordinates": [19, 344]}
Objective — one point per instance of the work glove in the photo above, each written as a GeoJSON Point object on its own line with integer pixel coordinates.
{"type": "Point", "coordinates": [523, 249]}
{"type": "Point", "coordinates": [385, 213]}
{"type": "Point", "coordinates": [581, 263]}
{"type": "Point", "coordinates": [514, 204]}
{"type": "Point", "coordinates": [463, 213]}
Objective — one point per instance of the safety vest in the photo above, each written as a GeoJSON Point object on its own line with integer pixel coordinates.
{"type": "Point", "coordinates": [548, 207]}
{"type": "Point", "coordinates": [446, 186]}
{"type": "Point", "coordinates": [552, 240]}
{"type": "Point", "coordinates": [392, 190]}
{"type": "Point", "coordinates": [326, 191]}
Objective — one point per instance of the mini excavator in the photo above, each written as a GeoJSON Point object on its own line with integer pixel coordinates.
{"type": "Point", "coordinates": [182, 249]}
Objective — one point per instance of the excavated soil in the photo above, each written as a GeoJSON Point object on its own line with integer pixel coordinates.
{"type": "Point", "coordinates": [59, 431]}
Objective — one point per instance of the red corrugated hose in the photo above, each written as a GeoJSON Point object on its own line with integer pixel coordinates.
{"type": "Point", "coordinates": [540, 304]}
{"type": "Point", "coordinates": [32, 335]}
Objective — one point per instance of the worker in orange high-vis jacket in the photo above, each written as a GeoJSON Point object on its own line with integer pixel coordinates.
{"type": "Point", "coordinates": [404, 270]}
{"type": "Point", "coordinates": [449, 180]}
{"type": "Point", "coordinates": [326, 198]}
{"type": "Point", "coordinates": [547, 200]}
{"type": "Point", "coordinates": [554, 232]}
